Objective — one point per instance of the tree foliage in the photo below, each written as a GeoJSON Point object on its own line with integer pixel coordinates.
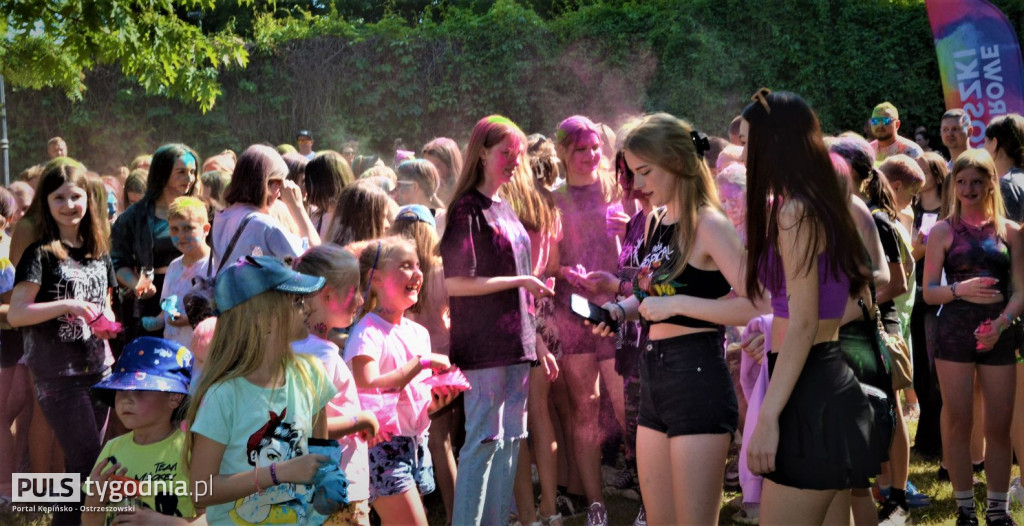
{"type": "Point", "coordinates": [400, 72]}
{"type": "Point", "coordinates": [56, 43]}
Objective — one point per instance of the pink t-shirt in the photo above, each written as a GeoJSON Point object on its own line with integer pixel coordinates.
{"type": "Point", "coordinates": [355, 461]}
{"type": "Point", "coordinates": [392, 346]}
{"type": "Point", "coordinates": [540, 245]}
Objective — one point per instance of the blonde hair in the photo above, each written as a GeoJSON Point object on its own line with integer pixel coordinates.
{"type": "Point", "coordinates": [240, 346]}
{"type": "Point", "coordinates": [572, 130]}
{"type": "Point", "coordinates": [188, 208]}
{"type": "Point", "coordinates": [373, 256]}
{"type": "Point", "coordinates": [665, 141]}
{"type": "Point", "coordinates": [995, 209]}
{"type": "Point", "coordinates": [424, 174]}
{"type": "Point", "coordinates": [531, 202]}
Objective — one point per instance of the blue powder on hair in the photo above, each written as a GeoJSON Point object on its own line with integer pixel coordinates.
{"type": "Point", "coordinates": [188, 159]}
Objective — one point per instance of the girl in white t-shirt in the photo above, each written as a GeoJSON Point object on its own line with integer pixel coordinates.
{"type": "Point", "coordinates": [391, 353]}
{"type": "Point", "coordinates": [335, 307]}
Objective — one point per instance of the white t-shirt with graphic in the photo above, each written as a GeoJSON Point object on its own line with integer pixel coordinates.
{"type": "Point", "coordinates": [260, 426]}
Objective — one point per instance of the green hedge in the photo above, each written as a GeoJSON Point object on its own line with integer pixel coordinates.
{"type": "Point", "coordinates": [377, 81]}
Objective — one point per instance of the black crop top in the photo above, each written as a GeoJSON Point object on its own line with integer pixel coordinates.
{"type": "Point", "coordinates": [658, 257]}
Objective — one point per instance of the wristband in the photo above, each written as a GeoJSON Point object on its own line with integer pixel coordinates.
{"type": "Point", "coordinates": [425, 363]}
{"type": "Point", "coordinates": [625, 288]}
{"type": "Point", "coordinates": [952, 289]}
{"type": "Point", "coordinates": [621, 309]}
{"type": "Point", "coordinates": [256, 480]}
{"type": "Point", "coordinates": [273, 473]}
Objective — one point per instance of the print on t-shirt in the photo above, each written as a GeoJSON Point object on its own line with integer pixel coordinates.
{"type": "Point", "coordinates": [164, 503]}
{"type": "Point", "coordinates": [276, 441]}
{"type": "Point", "coordinates": [79, 282]}
{"type": "Point", "coordinates": [660, 257]}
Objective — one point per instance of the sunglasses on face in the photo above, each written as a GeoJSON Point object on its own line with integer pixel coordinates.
{"type": "Point", "coordinates": [875, 121]}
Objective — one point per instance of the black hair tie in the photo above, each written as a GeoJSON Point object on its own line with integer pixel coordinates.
{"type": "Point", "coordinates": [700, 142]}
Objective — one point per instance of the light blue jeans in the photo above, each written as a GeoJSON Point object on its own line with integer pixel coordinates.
{"type": "Point", "coordinates": [495, 422]}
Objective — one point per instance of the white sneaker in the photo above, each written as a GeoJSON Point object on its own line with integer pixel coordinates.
{"type": "Point", "coordinates": [597, 515]}
{"type": "Point", "coordinates": [641, 518]}
{"type": "Point", "coordinates": [1016, 491]}
{"type": "Point", "coordinates": [893, 514]}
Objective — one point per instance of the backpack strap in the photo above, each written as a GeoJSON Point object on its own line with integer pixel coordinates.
{"type": "Point", "coordinates": [231, 245]}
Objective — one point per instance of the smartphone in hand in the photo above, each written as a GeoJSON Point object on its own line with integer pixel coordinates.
{"type": "Point", "coordinates": [592, 312]}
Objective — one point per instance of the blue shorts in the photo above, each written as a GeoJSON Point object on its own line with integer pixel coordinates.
{"type": "Point", "coordinates": [399, 465]}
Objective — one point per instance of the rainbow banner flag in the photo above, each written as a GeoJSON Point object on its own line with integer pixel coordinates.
{"type": "Point", "coordinates": [979, 60]}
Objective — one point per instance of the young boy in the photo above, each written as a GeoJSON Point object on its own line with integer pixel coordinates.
{"type": "Point", "coordinates": [148, 390]}
{"type": "Point", "coordinates": [189, 226]}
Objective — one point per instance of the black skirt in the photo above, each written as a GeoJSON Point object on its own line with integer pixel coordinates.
{"type": "Point", "coordinates": [827, 433]}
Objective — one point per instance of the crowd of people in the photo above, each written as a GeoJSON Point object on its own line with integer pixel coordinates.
{"type": "Point", "coordinates": [326, 338]}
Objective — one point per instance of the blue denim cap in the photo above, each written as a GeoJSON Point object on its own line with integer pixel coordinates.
{"type": "Point", "coordinates": [148, 364]}
{"type": "Point", "coordinates": [251, 276]}
{"type": "Point", "coordinates": [416, 213]}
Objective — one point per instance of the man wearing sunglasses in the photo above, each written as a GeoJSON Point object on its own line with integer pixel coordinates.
{"type": "Point", "coordinates": [885, 122]}
{"type": "Point", "coordinates": [305, 141]}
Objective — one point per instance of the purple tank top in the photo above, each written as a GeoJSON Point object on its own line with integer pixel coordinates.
{"type": "Point", "coordinates": [977, 252]}
{"type": "Point", "coordinates": [832, 293]}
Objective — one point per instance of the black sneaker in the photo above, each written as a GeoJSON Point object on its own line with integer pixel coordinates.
{"type": "Point", "coordinates": [965, 517]}
{"type": "Point", "coordinates": [1003, 520]}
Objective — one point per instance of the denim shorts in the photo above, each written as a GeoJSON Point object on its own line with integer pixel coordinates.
{"type": "Point", "coordinates": [685, 386]}
{"type": "Point", "coordinates": [399, 465]}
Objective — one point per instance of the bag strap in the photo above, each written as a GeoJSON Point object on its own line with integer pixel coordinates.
{"type": "Point", "coordinates": [231, 245]}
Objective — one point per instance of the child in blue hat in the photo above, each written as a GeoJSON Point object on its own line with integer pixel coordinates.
{"type": "Point", "coordinates": [148, 389]}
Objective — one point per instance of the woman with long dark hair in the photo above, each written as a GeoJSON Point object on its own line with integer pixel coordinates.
{"type": "Point", "coordinates": [814, 430]}
{"type": "Point", "coordinates": [141, 246]}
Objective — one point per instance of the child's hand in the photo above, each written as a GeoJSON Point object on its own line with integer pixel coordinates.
{"type": "Point", "coordinates": [384, 436]}
{"type": "Point", "coordinates": [100, 475]}
{"type": "Point", "coordinates": [441, 397]}
{"type": "Point", "coordinates": [300, 470]}
{"type": "Point", "coordinates": [83, 309]}
{"type": "Point", "coordinates": [370, 425]}
{"type": "Point", "coordinates": [438, 362]}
